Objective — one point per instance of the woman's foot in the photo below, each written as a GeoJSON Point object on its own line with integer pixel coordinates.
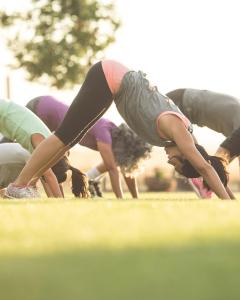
{"type": "Point", "coordinates": [13, 191]}
{"type": "Point", "coordinates": [94, 188]}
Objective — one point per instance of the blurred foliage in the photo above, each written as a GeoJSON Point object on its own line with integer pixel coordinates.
{"type": "Point", "coordinates": [57, 41]}
{"type": "Point", "coordinates": [159, 173]}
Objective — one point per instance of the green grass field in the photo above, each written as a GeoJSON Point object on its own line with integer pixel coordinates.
{"type": "Point", "coordinates": [163, 246]}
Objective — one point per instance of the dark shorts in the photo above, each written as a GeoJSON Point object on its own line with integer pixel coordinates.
{"type": "Point", "coordinates": [177, 97]}
{"type": "Point", "coordinates": [232, 143]}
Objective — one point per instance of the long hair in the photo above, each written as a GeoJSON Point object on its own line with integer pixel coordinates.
{"type": "Point", "coordinates": [129, 149]}
{"type": "Point", "coordinates": [217, 163]}
{"type": "Point", "coordinates": [79, 179]}
{"type": "Point", "coordinates": [79, 183]}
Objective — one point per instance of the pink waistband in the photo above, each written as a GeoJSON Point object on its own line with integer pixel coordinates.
{"type": "Point", "coordinates": [114, 73]}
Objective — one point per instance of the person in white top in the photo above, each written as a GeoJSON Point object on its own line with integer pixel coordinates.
{"type": "Point", "coordinates": [13, 158]}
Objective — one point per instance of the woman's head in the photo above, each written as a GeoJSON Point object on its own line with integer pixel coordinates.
{"type": "Point", "coordinates": [60, 169]}
{"type": "Point", "coordinates": [184, 167]}
{"type": "Point", "coordinates": [129, 149]}
{"type": "Point", "coordinates": [79, 180]}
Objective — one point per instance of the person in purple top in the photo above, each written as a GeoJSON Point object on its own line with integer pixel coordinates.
{"type": "Point", "coordinates": [119, 146]}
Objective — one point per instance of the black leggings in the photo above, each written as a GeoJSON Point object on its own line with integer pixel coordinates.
{"type": "Point", "coordinates": [91, 102]}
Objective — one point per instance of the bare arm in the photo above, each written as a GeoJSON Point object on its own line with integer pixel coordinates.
{"type": "Point", "coordinates": [174, 129]}
{"type": "Point", "coordinates": [46, 188]}
{"type": "Point", "coordinates": [230, 193]}
{"type": "Point", "coordinates": [62, 190]}
{"type": "Point", "coordinates": [111, 166]}
{"type": "Point", "coordinates": [131, 182]}
{"type": "Point", "coordinates": [51, 185]}
{"type": "Point", "coordinates": [132, 186]}
{"type": "Point", "coordinates": [47, 154]}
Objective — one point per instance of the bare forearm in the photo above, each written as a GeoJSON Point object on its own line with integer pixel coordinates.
{"type": "Point", "coordinates": [116, 183]}
{"type": "Point", "coordinates": [230, 193]}
{"type": "Point", "coordinates": [132, 186]}
{"type": "Point", "coordinates": [62, 191]}
{"type": "Point", "coordinates": [52, 186]}
{"type": "Point", "coordinates": [214, 183]}
{"type": "Point", "coordinates": [47, 189]}
{"type": "Point", "coordinates": [44, 156]}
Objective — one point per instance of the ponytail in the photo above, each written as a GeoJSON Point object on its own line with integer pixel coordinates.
{"type": "Point", "coordinates": [217, 163]}
{"type": "Point", "coordinates": [219, 166]}
{"type": "Point", "coordinates": [79, 183]}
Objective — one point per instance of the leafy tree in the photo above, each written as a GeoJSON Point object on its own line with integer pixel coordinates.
{"type": "Point", "coordinates": [57, 40]}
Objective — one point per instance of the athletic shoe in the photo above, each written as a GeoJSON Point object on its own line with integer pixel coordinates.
{"type": "Point", "coordinates": [91, 188]}
{"type": "Point", "coordinates": [199, 188]}
{"type": "Point", "coordinates": [97, 187]}
{"type": "Point", "coordinates": [94, 188]}
{"type": "Point", "coordinates": [20, 192]}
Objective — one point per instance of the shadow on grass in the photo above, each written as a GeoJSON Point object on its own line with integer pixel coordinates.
{"type": "Point", "coordinates": [208, 271]}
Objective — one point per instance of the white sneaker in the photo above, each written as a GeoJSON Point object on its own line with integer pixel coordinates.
{"type": "Point", "coordinates": [20, 192]}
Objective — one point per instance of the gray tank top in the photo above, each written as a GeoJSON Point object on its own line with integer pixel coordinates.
{"type": "Point", "coordinates": [219, 112]}
{"type": "Point", "coordinates": [140, 105]}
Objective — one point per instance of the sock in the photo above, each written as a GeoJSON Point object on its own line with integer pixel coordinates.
{"type": "Point", "coordinates": [93, 173]}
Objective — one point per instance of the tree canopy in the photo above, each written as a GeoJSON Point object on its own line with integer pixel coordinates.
{"type": "Point", "coordinates": [57, 40]}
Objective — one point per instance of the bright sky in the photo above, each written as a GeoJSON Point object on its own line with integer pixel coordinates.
{"type": "Point", "coordinates": [187, 43]}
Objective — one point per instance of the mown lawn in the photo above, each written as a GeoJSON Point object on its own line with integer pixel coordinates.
{"type": "Point", "coordinates": [163, 246]}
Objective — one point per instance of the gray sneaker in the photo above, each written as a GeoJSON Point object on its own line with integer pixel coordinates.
{"type": "Point", "coordinates": [91, 188]}
{"type": "Point", "coordinates": [20, 192]}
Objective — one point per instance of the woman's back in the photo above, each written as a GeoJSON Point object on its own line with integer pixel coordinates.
{"type": "Point", "coordinates": [18, 124]}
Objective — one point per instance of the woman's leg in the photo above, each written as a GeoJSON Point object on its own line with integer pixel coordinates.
{"type": "Point", "coordinates": [92, 101]}
{"type": "Point", "coordinates": [90, 104]}
{"type": "Point", "coordinates": [43, 157]}
{"type": "Point", "coordinates": [232, 144]}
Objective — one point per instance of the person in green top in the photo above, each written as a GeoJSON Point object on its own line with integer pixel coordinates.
{"type": "Point", "coordinates": [20, 125]}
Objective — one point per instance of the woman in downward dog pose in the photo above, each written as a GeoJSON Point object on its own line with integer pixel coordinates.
{"type": "Point", "coordinates": [118, 146]}
{"type": "Point", "coordinates": [19, 124]}
{"type": "Point", "coordinates": [217, 111]}
{"type": "Point", "coordinates": [153, 116]}
{"type": "Point", "coordinates": [13, 158]}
